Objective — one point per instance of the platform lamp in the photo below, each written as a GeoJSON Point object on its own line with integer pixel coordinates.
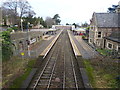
{"type": "Point", "coordinates": [28, 38]}
{"type": "Point", "coordinates": [28, 26]}
{"type": "Point", "coordinates": [21, 24]}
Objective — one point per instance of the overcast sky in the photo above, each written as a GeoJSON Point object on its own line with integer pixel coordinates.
{"type": "Point", "coordinates": [71, 11]}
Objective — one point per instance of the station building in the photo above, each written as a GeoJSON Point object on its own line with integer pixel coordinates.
{"type": "Point", "coordinates": [63, 27]}
{"type": "Point", "coordinates": [102, 28]}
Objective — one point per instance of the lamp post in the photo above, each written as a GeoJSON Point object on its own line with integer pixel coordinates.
{"type": "Point", "coordinates": [28, 38]}
{"type": "Point", "coordinates": [28, 26]}
{"type": "Point", "coordinates": [21, 24]}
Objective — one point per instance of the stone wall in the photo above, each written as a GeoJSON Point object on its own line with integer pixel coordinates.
{"type": "Point", "coordinates": [99, 41]}
{"type": "Point", "coordinates": [21, 40]}
{"type": "Point", "coordinates": [115, 45]}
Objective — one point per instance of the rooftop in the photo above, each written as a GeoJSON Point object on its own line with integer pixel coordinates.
{"type": "Point", "coordinates": [115, 36]}
{"type": "Point", "coordinates": [107, 19]}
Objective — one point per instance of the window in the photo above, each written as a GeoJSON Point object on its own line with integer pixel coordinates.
{"type": "Point", "coordinates": [110, 45]}
{"type": "Point", "coordinates": [99, 34]}
{"type": "Point", "coordinates": [90, 40]}
{"type": "Point", "coordinates": [118, 48]}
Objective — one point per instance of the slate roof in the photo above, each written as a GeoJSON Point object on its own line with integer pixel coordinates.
{"type": "Point", "coordinates": [115, 36]}
{"type": "Point", "coordinates": [107, 19]}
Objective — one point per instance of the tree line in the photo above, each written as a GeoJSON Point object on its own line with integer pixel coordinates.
{"type": "Point", "coordinates": [13, 11]}
{"type": "Point", "coordinates": [16, 11]}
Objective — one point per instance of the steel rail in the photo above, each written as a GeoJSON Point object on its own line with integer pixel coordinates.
{"type": "Point", "coordinates": [74, 73]}
{"type": "Point", "coordinates": [73, 69]}
{"type": "Point", "coordinates": [64, 72]}
{"type": "Point", "coordinates": [44, 68]}
{"type": "Point", "coordinates": [48, 86]}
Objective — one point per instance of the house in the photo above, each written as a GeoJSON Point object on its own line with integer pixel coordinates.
{"type": "Point", "coordinates": [112, 42]}
{"type": "Point", "coordinates": [103, 25]}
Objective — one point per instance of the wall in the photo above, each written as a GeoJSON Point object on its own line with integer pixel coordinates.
{"type": "Point", "coordinates": [21, 40]}
{"type": "Point", "coordinates": [99, 41]}
{"type": "Point", "coordinates": [115, 44]}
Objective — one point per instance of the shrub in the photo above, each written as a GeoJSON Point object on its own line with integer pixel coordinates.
{"type": "Point", "coordinates": [83, 37]}
{"type": "Point", "coordinates": [6, 46]}
{"type": "Point", "coordinates": [9, 29]}
{"type": "Point", "coordinates": [15, 28]}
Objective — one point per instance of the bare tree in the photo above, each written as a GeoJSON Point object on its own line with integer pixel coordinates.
{"type": "Point", "coordinates": [11, 5]}
{"type": "Point", "coordinates": [18, 9]}
{"type": "Point", "coordinates": [49, 21]}
{"type": "Point", "coordinates": [8, 6]}
{"type": "Point", "coordinates": [0, 16]}
{"type": "Point", "coordinates": [8, 15]}
{"type": "Point", "coordinates": [25, 8]}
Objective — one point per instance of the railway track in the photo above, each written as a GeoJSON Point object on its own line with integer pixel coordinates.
{"type": "Point", "coordinates": [60, 69]}
{"type": "Point", "coordinates": [47, 74]}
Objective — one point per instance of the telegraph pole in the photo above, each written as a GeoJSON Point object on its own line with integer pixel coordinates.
{"type": "Point", "coordinates": [28, 39]}
{"type": "Point", "coordinates": [21, 24]}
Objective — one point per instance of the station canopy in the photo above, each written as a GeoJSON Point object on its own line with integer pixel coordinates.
{"type": "Point", "coordinates": [80, 29]}
{"type": "Point", "coordinates": [51, 29]}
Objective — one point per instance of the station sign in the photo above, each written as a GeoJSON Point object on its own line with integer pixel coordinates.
{"type": "Point", "coordinates": [33, 41]}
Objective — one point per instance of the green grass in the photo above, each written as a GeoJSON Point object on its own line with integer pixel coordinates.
{"type": "Point", "coordinates": [111, 81]}
{"type": "Point", "coordinates": [104, 73]}
{"type": "Point", "coordinates": [106, 78]}
{"type": "Point", "coordinates": [0, 35]}
{"type": "Point", "coordinates": [18, 81]}
{"type": "Point", "coordinates": [89, 70]}
{"type": "Point", "coordinates": [103, 51]}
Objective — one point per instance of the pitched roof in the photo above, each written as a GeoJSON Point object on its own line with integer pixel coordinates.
{"type": "Point", "coordinates": [115, 36]}
{"type": "Point", "coordinates": [107, 19]}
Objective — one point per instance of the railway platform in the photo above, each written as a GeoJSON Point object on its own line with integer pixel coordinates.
{"type": "Point", "coordinates": [86, 51]}
{"type": "Point", "coordinates": [61, 65]}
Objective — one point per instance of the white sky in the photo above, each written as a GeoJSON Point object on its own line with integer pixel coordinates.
{"type": "Point", "coordinates": [71, 11]}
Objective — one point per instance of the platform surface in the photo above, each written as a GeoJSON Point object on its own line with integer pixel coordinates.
{"type": "Point", "coordinates": [75, 48]}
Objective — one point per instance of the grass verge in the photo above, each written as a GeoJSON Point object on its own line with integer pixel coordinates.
{"type": "Point", "coordinates": [102, 73]}
{"type": "Point", "coordinates": [90, 72]}
{"type": "Point", "coordinates": [15, 71]}
{"type": "Point", "coordinates": [104, 52]}
{"type": "Point", "coordinates": [18, 81]}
